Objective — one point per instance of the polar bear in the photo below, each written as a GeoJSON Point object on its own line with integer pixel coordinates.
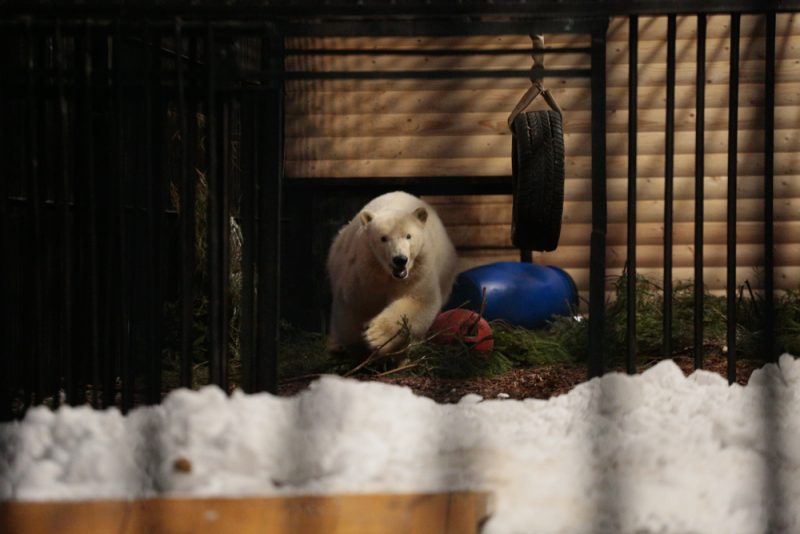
{"type": "Point", "coordinates": [391, 264]}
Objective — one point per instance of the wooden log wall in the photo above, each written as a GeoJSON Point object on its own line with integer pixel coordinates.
{"type": "Point", "coordinates": [378, 128]}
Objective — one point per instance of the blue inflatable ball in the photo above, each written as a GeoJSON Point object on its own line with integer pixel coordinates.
{"type": "Point", "coordinates": [523, 294]}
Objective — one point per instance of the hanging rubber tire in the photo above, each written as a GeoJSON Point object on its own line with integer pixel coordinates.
{"type": "Point", "coordinates": [537, 160]}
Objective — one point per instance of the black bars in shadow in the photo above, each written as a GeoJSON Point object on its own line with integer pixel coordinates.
{"type": "Point", "coordinates": [122, 232]}
{"type": "Point", "coordinates": [270, 191]}
{"type": "Point", "coordinates": [186, 214]}
{"type": "Point", "coordinates": [249, 206]}
{"type": "Point", "coordinates": [65, 234]}
{"type": "Point", "coordinates": [216, 224]}
{"type": "Point", "coordinates": [155, 212]}
{"type": "Point", "coordinates": [88, 157]}
{"type": "Point", "coordinates": [34, 245]}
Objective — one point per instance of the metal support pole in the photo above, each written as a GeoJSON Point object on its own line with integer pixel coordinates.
{"type": "Point", "coordinates": [733, 130]}
{"type": "Point", "coordinates": [270, 186]}
{"type": "Point", "coordinates": [669, 163]}
{"type": "Point", "coordinates": [769, 190]}
{"type": "Point", "coordinates": [699, 193]}
{"type": "Point", "coordinates": [599, 208]}
{"type": "Point", "coordinates": [633, 66]}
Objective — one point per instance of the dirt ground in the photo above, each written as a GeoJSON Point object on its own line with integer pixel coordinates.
{"type": "Point", "coordinates": [539, 383]}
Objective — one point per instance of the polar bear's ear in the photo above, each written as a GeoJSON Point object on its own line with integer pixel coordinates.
{"type": "Point", "coordinates": [366, 217]}
{"type": "Point", "coordinates": [421, 214]}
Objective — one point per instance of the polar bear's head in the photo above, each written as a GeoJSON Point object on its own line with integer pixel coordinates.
{"type": "Point", "coordinates": [395, 239]}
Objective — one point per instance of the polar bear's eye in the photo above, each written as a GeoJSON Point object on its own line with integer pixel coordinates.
{"type": "Point", "coordinates": [384, 239]}
{"type": "Point", "coordinates": [408, 236]}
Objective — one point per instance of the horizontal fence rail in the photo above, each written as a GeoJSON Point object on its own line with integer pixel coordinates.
{"type": "Point", "coordinates": [380, 9]}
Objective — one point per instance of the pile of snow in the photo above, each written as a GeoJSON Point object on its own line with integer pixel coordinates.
{"type": "Point", "coordinates": [657, 452]}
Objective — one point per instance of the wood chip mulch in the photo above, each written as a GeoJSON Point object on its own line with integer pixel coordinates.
{"type": "Point", "coordinates": [538, 383]}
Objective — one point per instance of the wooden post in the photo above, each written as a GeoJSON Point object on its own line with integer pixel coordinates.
{"type": "Point", "coordinates": [434, 513]}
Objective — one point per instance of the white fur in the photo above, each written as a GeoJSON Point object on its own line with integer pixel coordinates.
{"type": "Point", "coordinates": [369, 302]}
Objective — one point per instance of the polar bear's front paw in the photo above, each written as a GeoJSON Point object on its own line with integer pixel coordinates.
{"type": "Point", "coordinates": [385, 335]}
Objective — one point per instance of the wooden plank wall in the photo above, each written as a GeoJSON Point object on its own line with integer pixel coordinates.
{"type": "Point", "coordinates": [372, 128]}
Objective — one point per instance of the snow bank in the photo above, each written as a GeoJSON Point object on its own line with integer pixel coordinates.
{"type": "Point", "coordinates": [657, 452]}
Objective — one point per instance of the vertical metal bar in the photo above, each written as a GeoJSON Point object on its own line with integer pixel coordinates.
{"type": "Point", "coordinates": [155, 210]}
{"type": "Point", "coordinates": [769, 191]}
{"type": "Point", "coordinates": [699, 189]}
{"type": "Point", "coordinates": [216, 305]}
{"type": "Point", "coordinates": [34, 250]}
{"type": "Point", "coordinates": [148, 262]}
{"type": "Point", "coordinates": [45, 319]}
{"type": "Point", "coordinates": [88, 142]}
{"type": "Point", "coordinates": [669, 162]}
{"type": "Point", "coordinates": [526, 255]}
{"type": "Point", "coordinates": [149, 185]}
{"type": "Point", "coordinates": [250, 154]}
{"type": "Point", "coordinates": [50, 376]}
{"type": "Point", "coordinates": [65, 326]}
{"type": "Point", "coordinates": [101, 47]}
{"type": "Point", "coordinates": [633, 65]}
{"type": "Point", "coordinates": [224, 183]}
{"type": "Point", "coordinates": [186, 221]}
{"type": "Point", "coordinates": [597, 261]}
{"type": "Point", "coordinates": [733, 127]}
{"type": "Point", "coordinates": [270, 190]}
{"type": "Point", "coordinates": [262, 356]}
{"type": "Point", "coordinates": [9, 306]}
{"type": "Point", "coordinates": [126, 368]}
{"type": "Point", "coordinates": [112, 251]}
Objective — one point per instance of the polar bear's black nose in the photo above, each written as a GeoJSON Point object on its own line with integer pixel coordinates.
{"type": "Point", "coordinates": [400, 261]}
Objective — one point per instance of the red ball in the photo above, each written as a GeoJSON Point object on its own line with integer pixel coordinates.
{"type": "Point", "coordinates": [460, 325]}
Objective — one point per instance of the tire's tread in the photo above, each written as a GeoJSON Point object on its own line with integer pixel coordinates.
{"type": "Point", "coordinates": [538, 180]}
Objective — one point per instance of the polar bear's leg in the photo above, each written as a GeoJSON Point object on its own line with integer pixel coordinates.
{"type": "Point", "coordinates": [386, 332]}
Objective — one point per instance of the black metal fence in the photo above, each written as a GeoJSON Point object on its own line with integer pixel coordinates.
{"type": "Point", "coordinates": [769, 243]}
{"type": "Point", "coordinates": [135, 150]}
{"type": "Point", "coordinates": [143, 182]}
